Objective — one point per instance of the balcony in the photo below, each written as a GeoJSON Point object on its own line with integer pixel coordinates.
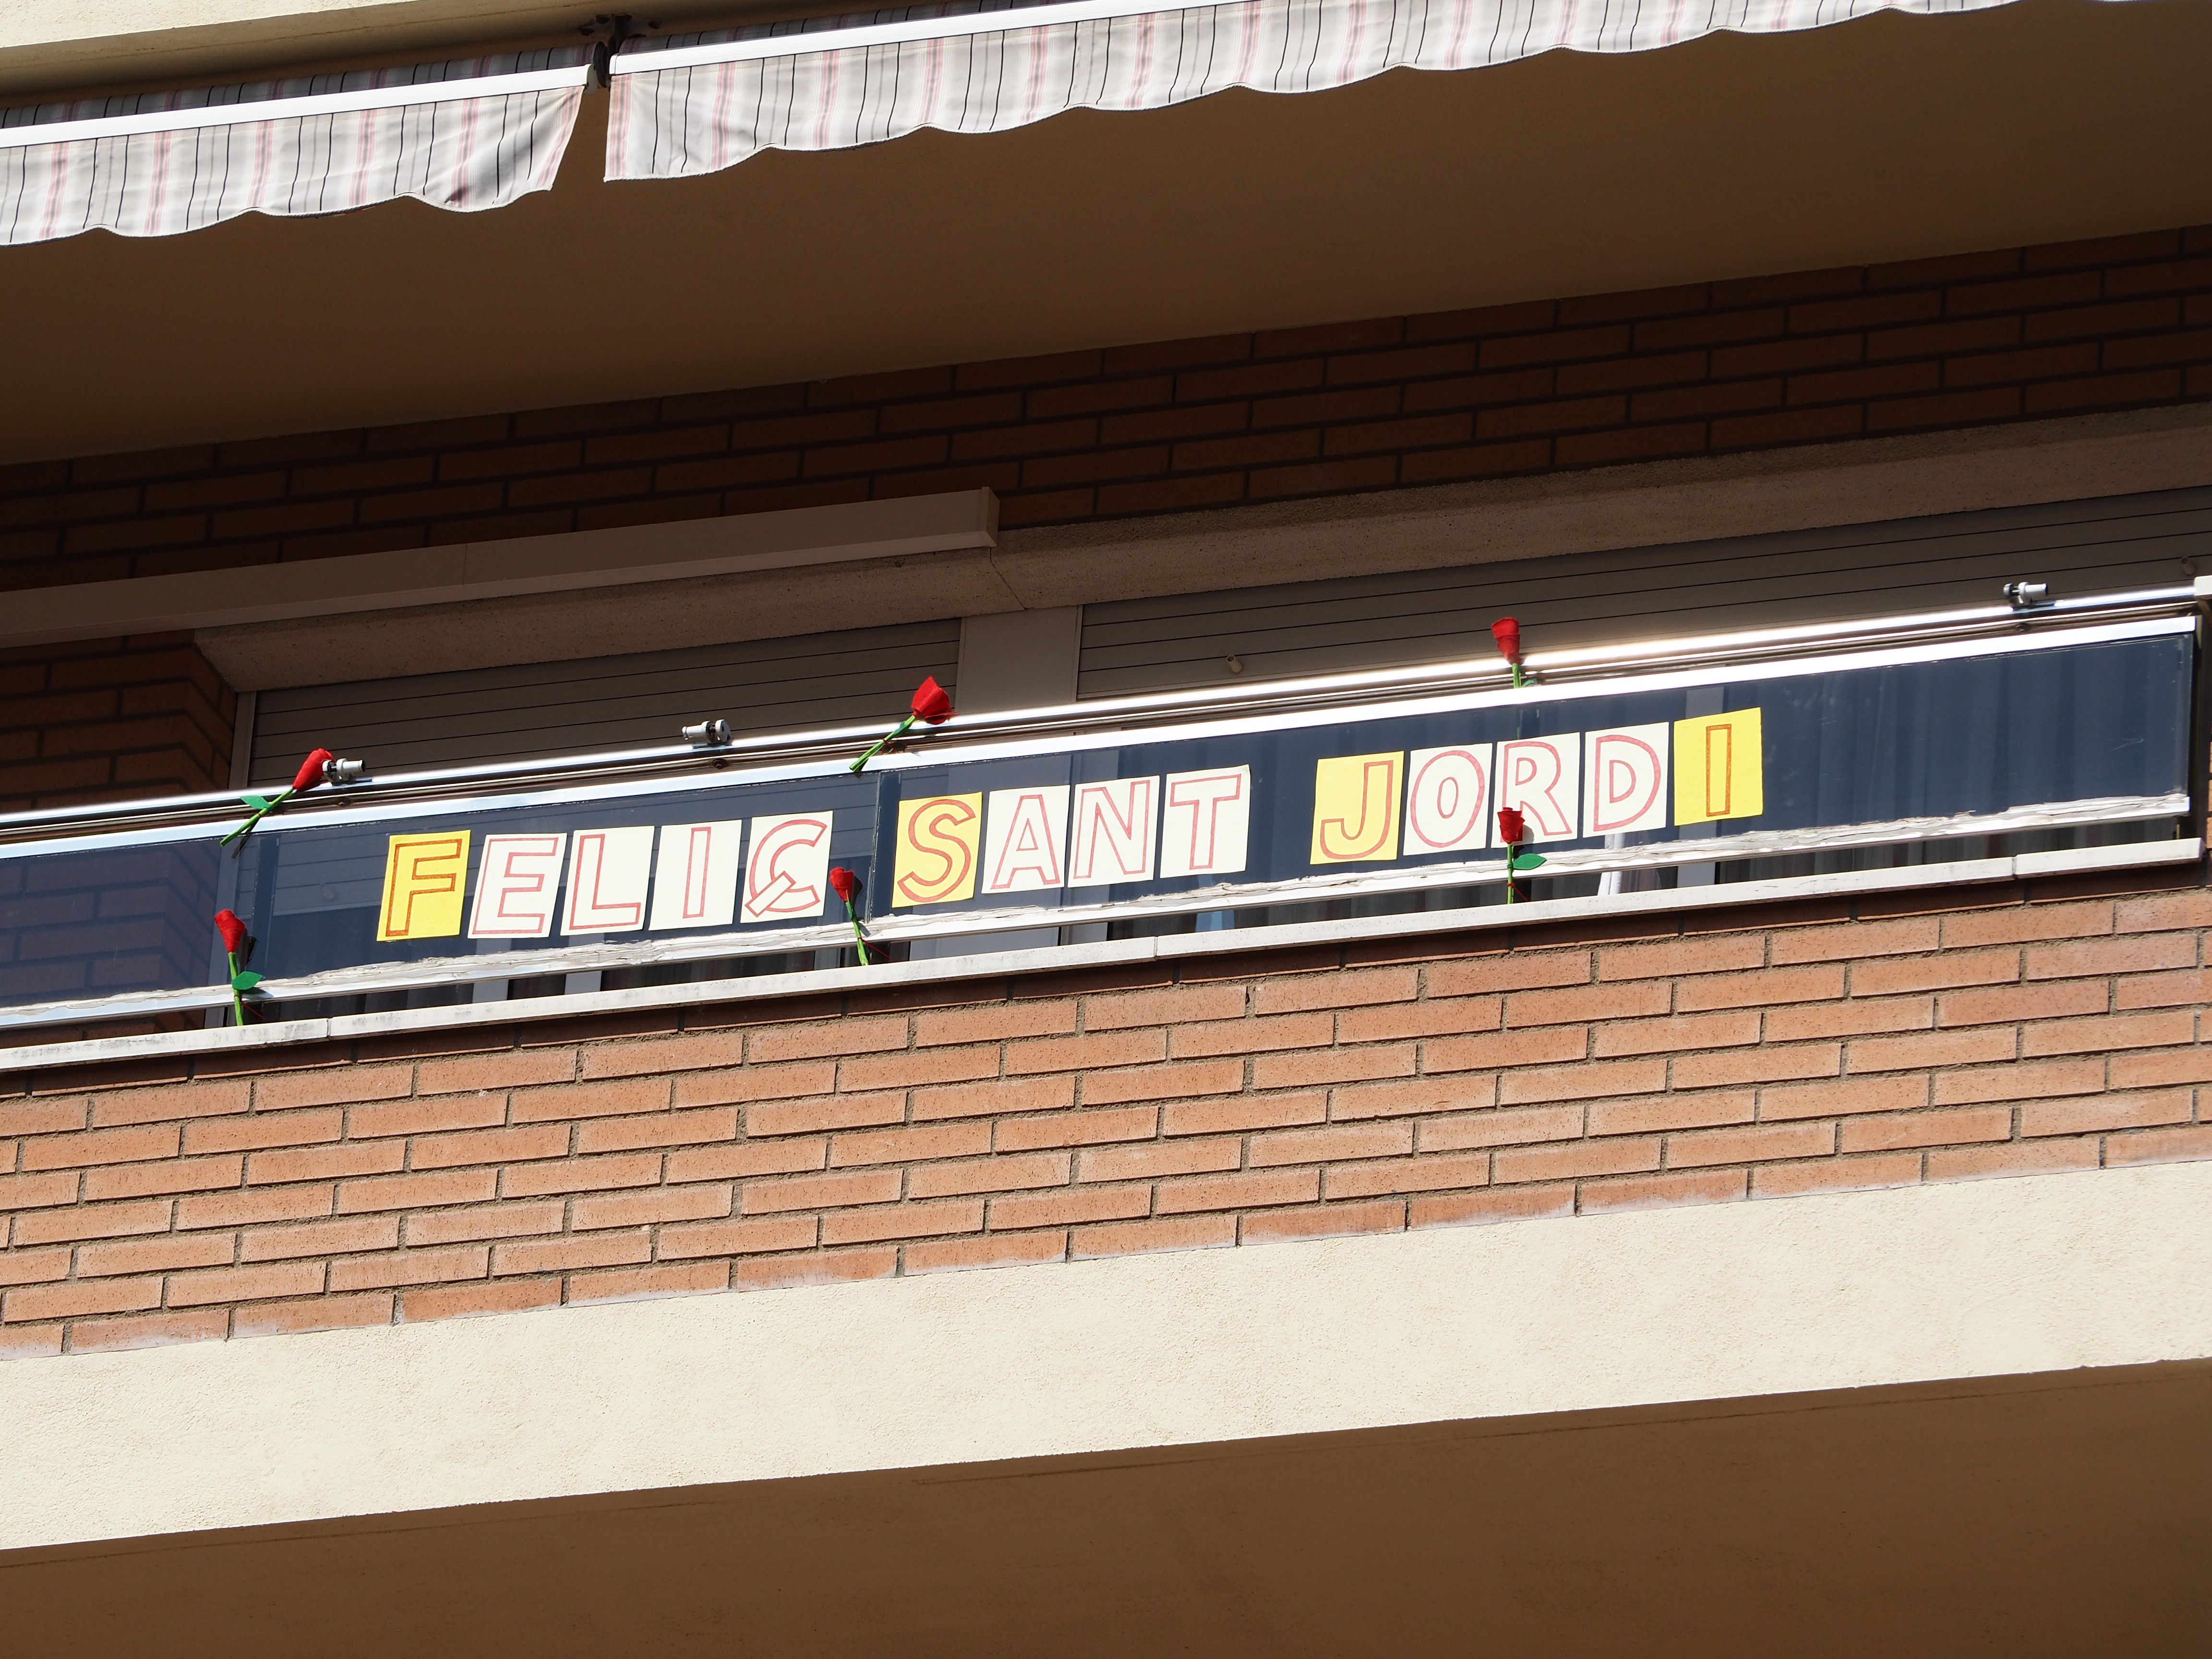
{"type": "Point", "coordinates": [1977, 743]}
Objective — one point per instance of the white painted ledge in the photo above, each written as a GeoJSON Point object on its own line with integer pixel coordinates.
{"type": "Point", "coordinates": [1964, 1281]}
{"type": "Point", "coordinates": [1855, 481]}
{"type": "Point", "coordinates": [1007, 964]}
{"type": "Point", "coordinates": [47, 43]}
{"type": "Point", "coordinates": [689, 550]}
{"type": "Point", "coordinates": [1640, 504]}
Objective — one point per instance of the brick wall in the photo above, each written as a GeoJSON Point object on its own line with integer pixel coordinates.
{"type": "Point", "coordinates": [1751, 1056]}
{"type": "Point", "coordinates": [1704, 368]}
{"type": "Point", "coordinates": [108, 720]}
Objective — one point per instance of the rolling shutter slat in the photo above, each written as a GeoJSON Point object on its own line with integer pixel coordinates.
{"type": "Point", "coordinates": [532, 710]}
{"type": "Point", "coordinates": [1651, 592]}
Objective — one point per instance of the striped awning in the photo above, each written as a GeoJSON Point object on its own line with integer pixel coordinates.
{"type": "Point", "coordinates": [468, 135]}
{"type": "Point", "coordinates": [696, 103]}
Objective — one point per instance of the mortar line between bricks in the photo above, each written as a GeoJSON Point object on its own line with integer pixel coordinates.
{"type": "Point", "coordinates": [2099, 1144]}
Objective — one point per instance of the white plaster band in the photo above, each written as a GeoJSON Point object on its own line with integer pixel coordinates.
{"type": "Point", "coordinates": [1865, 1290]}
{"type": "Point", "coordinates": [471, 573]}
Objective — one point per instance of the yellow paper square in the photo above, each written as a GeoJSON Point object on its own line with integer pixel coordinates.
{"type": "Point", "coordinates": [939, 844]}
{"type": "Point", "coordinates": [1355, 817]}
{"type": "Point", "coordinates": [423, 879]}
{"type": "Point", "coordinates": [1720, 767]}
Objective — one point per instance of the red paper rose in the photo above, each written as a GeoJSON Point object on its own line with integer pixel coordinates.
{"type": "Point", "coordinates": [1512, 827]}
{"type": "Point", "coordinates": [846, 886]}
{"type": "Point", "coordinates": [932, 703]}
{"type": "Point", "coordinates": [238, 946]}
{"type": "Point", "coordinates": [1507, 632]}
{"type": "Point", "coordinates": [311, 770]}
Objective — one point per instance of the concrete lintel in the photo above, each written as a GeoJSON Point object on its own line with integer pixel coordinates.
{"type": "Point", "coordinates": [58, 44]}
{"type": "Point", "coordinates": [1859, 481]}
{"type": "Point", "coordinates": [1645, 504]}
{"type": "Point", "coordinates": [470, 572]}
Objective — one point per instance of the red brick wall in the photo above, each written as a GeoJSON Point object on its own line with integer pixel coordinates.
{"type": "Point", "coordinates": [1395, 401]}
{"type": "Point", "coordinates": [1704, 368]}
{"type": "Point", "coordinates": [1746, 1056]}
{"type": "Point", "coordinates": [109, 720]}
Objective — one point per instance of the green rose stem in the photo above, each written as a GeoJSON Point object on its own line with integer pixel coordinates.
{"type": "Point", "coordinates": [932, 703]}
{"type": "Point", "coordinates": [263, 806]}
{"type": "Point", "coordinates": [859, 939]}
{"type": "Point", "coordinates": [1513, 830]}
{"type": "Point", "coordinates": [886, 741]}
{"type": "Point", "coordinates": [311, 773]}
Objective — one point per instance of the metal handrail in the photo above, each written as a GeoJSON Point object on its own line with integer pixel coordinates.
{"type": "Point", "coordinates": [827, 746]}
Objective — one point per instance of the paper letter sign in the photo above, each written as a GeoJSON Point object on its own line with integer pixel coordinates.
{"type": "Point", "coordinates": [788, 873]}
{"type": "Point", "coordinates": [1540, 775]}
{"type": "Point", "coordinates": [1112, 832]}
{"type": "Point", "coordinates": [1448, 799]}
{"type": "Point", "coordinates": [1023, 833]}
{"type": "Point", "coordinates": [1356, 809]}
{"type": "Point", "coordinates": [607, 879]}
{"type": "Point", "coordinates": [938, 841]}
{"type": "Point", "coordinates": [518, 887]}
{"type": "Point", "coordinates": [1720, 769]}
{"type": "Point", "coordinates": [695, 880]}
{"type": "Point", "coordinates": [423, 879]}
{"type": "Point", "coordinates": [1208, 817]}
{"type": "Point", "coordinates": [1624, 782]}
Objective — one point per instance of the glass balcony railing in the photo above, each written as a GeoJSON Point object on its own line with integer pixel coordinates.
{"type": "Point", "coordinates": [1779, 755]}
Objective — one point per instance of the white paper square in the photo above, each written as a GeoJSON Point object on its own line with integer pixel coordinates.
{"type": "Point", "coordinates": [694, 878]}
{"type": "Point", "coordinates": [1205, 820]}
{"type": "Point", "coordinates": [518, 886]}
{"type": "Point", "coordinates": [1114, 821]}
{"type": "Point", "coordinates": [788, 872]}
{"type": "Point", "coordinates": [1542, 777]}
{"type": "Point", "coordinates": [1624, 779]}
{"type": "Point", "coordinates": [608, 873]}
{"type": "Point", "coordinates": [1447, 808]}
{"type": "Point", "coordinates": [1024, 838]}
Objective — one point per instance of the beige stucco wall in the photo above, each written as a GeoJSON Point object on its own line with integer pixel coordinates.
{"type": "Point", "coordinates": [60, 42]}
{"type": "Point", "coordinates": [1977, 1279]}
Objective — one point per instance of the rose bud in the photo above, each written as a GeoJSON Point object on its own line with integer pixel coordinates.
{"type": "Point", "coordinates": [1511, 826]}
{"type": "Point", "coordinates": [932, 703]}
{"type": "Point", "coordinates": [311, 770]}
{"type": "Point", "coordinates": [1507, 632]}
{"type": "Point", "coordinates": [233, 931]}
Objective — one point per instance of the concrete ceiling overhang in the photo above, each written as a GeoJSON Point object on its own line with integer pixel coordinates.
{"type": "Point", "coordinates": [1889, 138]}
{"type": "Point", "coordinates": [2059, 1515]}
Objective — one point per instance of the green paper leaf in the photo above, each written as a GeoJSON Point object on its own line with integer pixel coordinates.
{"type": "Point", "coordinates": [258, 803]}
{"type": "Point", "coordinates": [1527, 860]}
{"type": "Point", "coordinates": [244, 979]}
